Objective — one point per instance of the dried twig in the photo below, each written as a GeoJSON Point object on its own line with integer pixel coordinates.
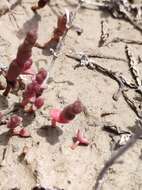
{"type": "Point", "coordinates": [90, 64]}
{"type": "Point", "coordinates": [127, 41]}
{"type": "Point", "coordinates": [98, 55]}
{"type": "Point", "coordinates": [133, 106]}
{"type": "Point", "coordinates": [10, 11]}
{"type": "Point", "coordinates": [133, 63]}
{"type": "Point", "coordinates": [130, 20]}
{"type": "Point", "coordinates": [123, 84]}
{"type": "Point", "coordinates": [118, 9]}
{"type": "Point", "coordinates": [112, 160]}
{"type": "Point", "coordinates": [104, 35]}
{"type": "Point", "coordinates": [113, 129]}
{"type": "Point", "coordinates": [95, 5]}
{"type": "Point", "coordinates": [11, 7]}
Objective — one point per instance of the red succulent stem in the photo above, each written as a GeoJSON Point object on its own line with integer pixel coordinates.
{"type": "Point", "coordinates": [57, 33]}
{"type": "Point", "coordinates": [80, 139]}
{"type": "Point", "coordinates": [67, 114]}
{"type": "Point", "coordinates": [34, 90]}
{"type": "Point", "coordinates": [53, 123]}
{"type": "Point", "coordinates": [41, 4]}
{"type": "Point", "coordinates": [22, 62]}
{"type": "Point", "coordinates": [70, 111]}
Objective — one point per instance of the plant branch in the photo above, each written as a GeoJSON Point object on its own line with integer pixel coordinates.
{"type": "Point", "coordinates": [60, 44]}
{"type": "Point", "coordinates": [127, 41]}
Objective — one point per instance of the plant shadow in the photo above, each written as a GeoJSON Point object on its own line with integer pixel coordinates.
{"type": "Point", "coordinates": [4, 137]}
{"type": "Point", "coordinates": [32, 23]}
{"type": "Point", "coordinates": [51, 134]}
{"type": "Point", "coordinates": [3, 102]}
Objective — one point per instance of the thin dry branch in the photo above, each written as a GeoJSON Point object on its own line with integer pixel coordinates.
{"type": "Point", "coordinates": [114, 157]}
{"type": "Point", "coordinates": [90, 64]}
{"type": "Point", "coordinates": [10, 9]}
{"type": "Point", "coordinates": [104, 34]}
{"type": "Point", "coordinates": [123, 84]}
{"type": "Point", "coordinates": [132, 105]}
{"type": "Point", "coordinates": [95, 5]}
{"type": "Point", "coordinates": [123, 40]}
{"type": "Point", "coordinates": [131, 21]}
{"type": "Point", "coordinates": [121, 9]}
{"type": "Point", "coordinates": [99, 56]}
{"type": "Point", "coordinates": [133, 63]}
{"type": "Point", "coordinates": [13, 6]}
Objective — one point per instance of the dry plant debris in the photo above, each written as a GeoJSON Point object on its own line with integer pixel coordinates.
{"type": "Point", "coordinates": [92, 65]}
{"type": "Point", "coordinates": [40, 5]}
{"type": "Point", "coordinates": [123, 84]}
{"type": "Point", "coordinates": [121, 9]}
{"type": "Point", "coordinates": [104, 34]}
{"type": "Point", "coordinates": [133, 63]}
{"type": "Point", "coordinates": [126, 41]}
{"type": "Point", "coordinates": [114, 157]}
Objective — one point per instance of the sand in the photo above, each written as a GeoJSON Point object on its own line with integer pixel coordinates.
{"type": "Point", "coordinates": [50, 161]}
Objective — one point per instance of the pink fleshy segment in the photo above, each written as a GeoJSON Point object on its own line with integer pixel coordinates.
{"type": "Point", "coordinates": [25, 101]}
{"type": "Point", "coordinates": [41, 75]}
{"type": "Point", "coordinates": [39, 102]}
{"type": "Point", "coordinates": [23, 60]}
{"type": "Point", "coordinates": [29, 71]}
{"type": "Point", "coordinates": [30, 93]}
{"type": "Point", "coordinates": [55, 115]}
{"type": "Point", "coordinates": [14, 122]}
{"type": "Point", "coordinates": [28, 64]}
{"type": "Point", "coordinates": [24, 133]}
{"type": "Point", "coordinates": [77, 107]}
{"type": "Point", "coordinates": [81, 138]}
{"type": "Point", "coordinates": [15, 132]}
{"type": "Point", "coordinates": [32, 99]}
{"type": "Point", "coordinates": [73, 146]}
{"type": "Point", "coordinates": [34, 90]}
{"type": "Point", "coordinates": [31, 109]}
